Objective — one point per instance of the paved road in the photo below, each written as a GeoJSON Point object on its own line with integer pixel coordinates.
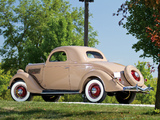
{"type": "Point", "coordinates": [140, 105]}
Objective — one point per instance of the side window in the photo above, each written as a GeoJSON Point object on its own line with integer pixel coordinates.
{"type": "Point", "coordinates": [92, 54]}
{"type": "Point", "coordinates": [58, 57]}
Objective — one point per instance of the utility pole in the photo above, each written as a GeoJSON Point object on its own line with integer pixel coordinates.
{"type": "Point", "coordinates": [86, 14]}
{"type": "Point", "coordinates": [86, 23]}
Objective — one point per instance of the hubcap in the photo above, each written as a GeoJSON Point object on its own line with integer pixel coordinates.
{"type": "Point", "coordinates": [135, 75]}
{"type": "Point", "coordinates": [21, 92]}
{"type": "Point", "coordinates": [94, 90]}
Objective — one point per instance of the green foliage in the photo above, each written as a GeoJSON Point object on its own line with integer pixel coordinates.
{"type": "Point", "coordinates": [157, 111]}
{"type": "Point", "coordinates": [33, 28]}
{"type": "Point", "coordinates": [71, 98]}
{"type": "Point", "coordinates": [139, 18]}
{"type": "Point", "coordinates": [58, 56]}
{"type": "Point", "coordinates": [145, 70]}
{"type": "Point", "coordinates": [4, 82]}
{"type": "Point", "coordinates": [110, 99]}
{"type": "Point", "coordinates": [146, 98]}
{"type": "Point", "coordinates": [38, 99]}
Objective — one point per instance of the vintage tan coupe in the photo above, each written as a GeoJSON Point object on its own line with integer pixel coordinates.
{"type": "Point", "coordinates": [77, 70]}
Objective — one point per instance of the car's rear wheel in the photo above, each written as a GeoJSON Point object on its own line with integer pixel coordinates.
{"type": "Point", "coordinates": [125, 97]}
{"type": "Point", "coordinates": [19, 92]}
{"type": "Point", "coordinates": [94, 91]}
{"type": "Point", "coordinates": [51, 98]}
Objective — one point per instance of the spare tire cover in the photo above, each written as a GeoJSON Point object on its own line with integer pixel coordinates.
{"type": "Point", "coordinates": [132, 73]}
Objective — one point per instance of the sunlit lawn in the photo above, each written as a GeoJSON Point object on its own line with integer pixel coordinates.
{"type": "Point", "coordinates": [10, 110]}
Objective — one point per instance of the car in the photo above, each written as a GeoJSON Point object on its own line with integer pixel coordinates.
{"type": "Point", "coordinates": [77, 70]}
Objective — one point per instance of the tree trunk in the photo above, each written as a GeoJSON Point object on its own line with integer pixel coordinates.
{"type": "Point", "coordinates": [157, 103]}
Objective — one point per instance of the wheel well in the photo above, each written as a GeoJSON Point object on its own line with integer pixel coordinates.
{"type": "Point", "coordinates": [15, 80]}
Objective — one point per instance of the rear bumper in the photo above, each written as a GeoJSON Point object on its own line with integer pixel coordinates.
{"type": "Point", "coordinates": [137, 88]}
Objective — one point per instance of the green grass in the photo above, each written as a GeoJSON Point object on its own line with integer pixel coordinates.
{"type": "Point", "coordinates": [10, 110]}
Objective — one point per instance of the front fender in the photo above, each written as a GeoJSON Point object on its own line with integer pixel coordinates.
{"type": "Point", "coordinates": [32, 85]}
{"type": "Point", "coordinates": [107, 80]}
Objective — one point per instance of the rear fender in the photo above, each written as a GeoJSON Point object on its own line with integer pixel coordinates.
{"type": "Point", "coordinates": [32, 85]}
{"type": "Point", "coordinates": [107, 80]}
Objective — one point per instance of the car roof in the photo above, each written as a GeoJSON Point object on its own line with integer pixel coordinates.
{"type": "Point", "coordinates": [78, 53]}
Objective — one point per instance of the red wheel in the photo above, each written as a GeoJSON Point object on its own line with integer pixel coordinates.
{"type": "Point", "coordinates": [94, 91]}
{"type": "Point", "coordinates": [133, 75]}
{"type": "Point", "coordinates": [19, 92]}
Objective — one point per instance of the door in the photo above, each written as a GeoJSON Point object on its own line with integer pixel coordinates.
{"type": "Point", "coordinates": [56, 72]}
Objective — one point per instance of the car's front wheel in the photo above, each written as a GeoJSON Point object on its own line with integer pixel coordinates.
{"type": "Point", "coordinates": [125, 97]}
{"type": "Point", "coordinates": [51, 98]}
{"type": "Point", "coordinates": [19, 92]}
{"type": "Point", "coordinates": [94, 91]}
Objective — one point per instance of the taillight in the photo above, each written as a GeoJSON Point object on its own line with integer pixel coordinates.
{"type": "Point", "coordinates": [135, 75]}
{"type": "Point", "coordinates": [145, 80]}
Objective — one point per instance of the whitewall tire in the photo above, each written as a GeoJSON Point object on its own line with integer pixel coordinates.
{"type": "Point", "coordinates": [19, 92]}
{"type": "Point", "coordinates": [94, 91]}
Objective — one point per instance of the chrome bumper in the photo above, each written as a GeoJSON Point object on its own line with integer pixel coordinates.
{"type": "Point", "coordinates": [137, 88]}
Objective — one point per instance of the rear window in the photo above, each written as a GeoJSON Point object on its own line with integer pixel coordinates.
{"type": "Point", "coordinates": [93, 54]}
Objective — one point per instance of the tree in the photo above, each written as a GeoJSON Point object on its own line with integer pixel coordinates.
{"type": "Point", "coordinates": [32, 28]}
{"type": "Point", "coordinates": [143, 23]}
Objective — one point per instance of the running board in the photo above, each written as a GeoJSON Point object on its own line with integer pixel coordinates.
{"type": "Point", "coordinates": [59, 92]}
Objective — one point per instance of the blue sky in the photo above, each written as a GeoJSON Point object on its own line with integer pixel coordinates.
{"type": "Point", "coordinates": [114, 43]}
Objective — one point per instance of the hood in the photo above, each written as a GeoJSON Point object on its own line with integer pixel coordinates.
{"type": "Point", "coordinates": [109, 67]}
{"type": "Point", "coordinates": [34, 66]}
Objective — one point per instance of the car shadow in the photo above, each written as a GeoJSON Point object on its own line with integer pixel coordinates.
{"type": "Point", "coordinates": [47, 114]}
